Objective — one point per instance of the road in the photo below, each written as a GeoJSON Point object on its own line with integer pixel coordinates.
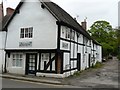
{"type": "Point", "coordinates": [104, 77]}
{"type": "Point", "coordinates": [11, 83]}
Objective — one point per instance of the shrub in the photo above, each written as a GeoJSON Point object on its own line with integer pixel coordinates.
{"type": "Point", "coordinates": [110, 57]}
{"type": "Point", "coordinates": [97, 65]}
{"type": "Point", "coordinates": [76, 73]}
{"type": "Point", "coordinates": [118, 57]}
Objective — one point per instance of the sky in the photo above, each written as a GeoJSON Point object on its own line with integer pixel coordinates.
{"type": "Point", "coordinates": [92, 10]}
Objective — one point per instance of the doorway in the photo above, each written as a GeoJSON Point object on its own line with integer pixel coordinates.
{"type": "Point", "coordinates": [31, 64]}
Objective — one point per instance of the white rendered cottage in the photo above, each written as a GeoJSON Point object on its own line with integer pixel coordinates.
{"type": "Point", "coordinates": [3, 20]}
{"type": "Point", "coordinates": [44, 40]}
{"type": "Point", "coordinates": [2, 47]}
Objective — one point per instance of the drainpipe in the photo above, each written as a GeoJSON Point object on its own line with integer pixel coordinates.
{"type": "Point", "coordinates": [5, 53]}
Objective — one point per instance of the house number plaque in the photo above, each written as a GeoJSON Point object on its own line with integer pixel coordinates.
{"type": "Point", "coordinates": [25, 44]}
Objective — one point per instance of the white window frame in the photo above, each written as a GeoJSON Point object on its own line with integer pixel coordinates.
{"type": "Point", "coordinates": [73, 35]}
{"type": "Point", "coordinates": [26, 33]}
{"type": "Point", "coordinates": [65, 32]}
{"type": "Point", "coordinates": [17, 61]}
{"type": "Point", "coordinates": [45, 56]}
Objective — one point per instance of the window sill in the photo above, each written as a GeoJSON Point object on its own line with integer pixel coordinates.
{"type": "Point", "coordinates": [25, 38]}
{"type": "Point", "coordinates": [16, 67]}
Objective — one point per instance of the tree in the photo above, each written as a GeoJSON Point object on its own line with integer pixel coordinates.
{"type": "Point", "coordinates": [118, 42]}
{"type": "Point", "coordinates": [102, 32]}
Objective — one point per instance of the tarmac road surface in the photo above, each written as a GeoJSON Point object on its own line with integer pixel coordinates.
{"type": "Point", "coordinates": [12, 83]}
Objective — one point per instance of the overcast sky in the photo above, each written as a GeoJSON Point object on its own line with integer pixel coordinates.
{"type": "Point", "coordinates": [92, 9]}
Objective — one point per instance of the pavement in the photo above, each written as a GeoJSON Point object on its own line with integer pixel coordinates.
{"type": "Point", "coordinates": [32, 79]}
{"type": "Point", "coordinates": [105, 77]}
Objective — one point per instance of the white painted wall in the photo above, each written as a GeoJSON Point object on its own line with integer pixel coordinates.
{"type": "Point", "coordinates": [43, 23]}
{"type": "Point", "coordinates": [2, 52]}
{"type": "Point", "coordinates": [80, 39]}
{"type": "Point", "coordinates": [99, 53]}
{"type": "Point", "coordinates": [66, 62]}
{"type": "Point", "coordinates": [16, 70]}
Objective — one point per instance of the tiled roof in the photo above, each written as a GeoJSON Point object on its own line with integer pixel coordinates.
{"type": "Point", "coordinates": [61, 15]}
{"type": "Point", "coordinates": [64, 17]}
{"type": "Point", "coordinates": [4, 21]}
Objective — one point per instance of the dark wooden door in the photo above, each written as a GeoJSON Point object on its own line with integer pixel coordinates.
{"type": "Point", "coordinates": [79, 61]}
{"type": "Point", "coordinates": [31, 63]}
{"type": "Point", "coordinates": [89, 60]}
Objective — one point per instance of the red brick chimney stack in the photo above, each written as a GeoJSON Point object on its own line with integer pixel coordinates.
{"type": "Point", "coordinates": [9, 11]}
{"type": "Point", "coordinates": [84, 24]}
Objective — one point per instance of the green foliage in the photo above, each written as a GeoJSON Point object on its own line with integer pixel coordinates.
{"type": "Point", "coordinates": [97, 65]}
{"type": "Point", "coordinates": [102, 32]}
{"type": "Point", "coordinates": [118, 57]}
{"type": "Point", "coordinates": [77, 73]}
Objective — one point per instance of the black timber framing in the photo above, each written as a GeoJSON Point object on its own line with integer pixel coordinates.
{"type": "Point", "coordinates": [47, 64]}
{"type": "Point", "coordinates": [39, 61]}
{"type": "Point", "coordinates": [70, 50]}
{"type": "Point", "coordinates": [69, 70]}
{"type": "Point", "coordinates": [73, 59]}
{"type": "Point", "coordinates": [72, 41]}
{"type": "Point", "coordinates": [58, 38]}
{"type": "Point", "coordinates": [59, 53]}
{"type": "Point", "coordinates": [77, 42]}
{"type": "Point", "coordinates": [26, 65]}
{"type": "Point", "coordinates": [67, 51]}
{"type": "Point", "coordinates": [5, 67]}
{"type": "Point", "coordinates": [78, 61]}
{"type": "Point", "coordinates": [46, 71]}
{"type": "Point", "coordinates": [31, 50]}
{"type": "Point", "coordinates": [50, 62]}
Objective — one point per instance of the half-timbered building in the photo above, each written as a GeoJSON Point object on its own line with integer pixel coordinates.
{"type": "Point", "coordinates": [44, 40]}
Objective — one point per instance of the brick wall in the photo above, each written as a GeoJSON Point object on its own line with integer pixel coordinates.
{"type": "Point", "coordinates": [9, 11]}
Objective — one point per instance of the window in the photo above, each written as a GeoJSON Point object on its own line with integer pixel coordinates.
{"type": "Point", "coordinates": [17, 60]}
{"type": "Point", "coordinates": [73, 35]}
{"type": "Point", "coordinates": [26, 32]}
{"type": "Point", "coordinates": [63, 32]}
{"type": "Point", "coordinates": [68, 33]}
{"type": "Point", "coordinates": [45, 56]}
{"type": "Point", "coordinates": [22, 33]}
{"type": "Point", "coordinates": [65, 45]}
